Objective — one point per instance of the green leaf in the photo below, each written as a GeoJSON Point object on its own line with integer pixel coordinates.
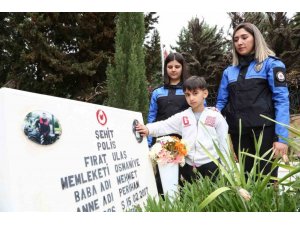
{"type": "Point", "coordinates": [212, 196]}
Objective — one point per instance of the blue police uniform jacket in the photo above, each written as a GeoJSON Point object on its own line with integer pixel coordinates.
{"type": "Point", "coordinates": [246, 92]}
{"type": "Point", "coordinates": [166, 101]}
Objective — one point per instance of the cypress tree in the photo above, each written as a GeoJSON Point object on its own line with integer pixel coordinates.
{"type": "Point", "coordinates": [126, 79]}
{"type": "Point", "coordinates": [153, 60]}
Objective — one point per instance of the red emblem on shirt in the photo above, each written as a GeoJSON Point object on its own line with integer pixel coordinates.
{"type": "Point", "coordinates": [185, 121]}
{"type": "Point", "coordinates": [210, 121]}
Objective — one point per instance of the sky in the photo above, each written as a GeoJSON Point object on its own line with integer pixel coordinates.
{"type": "Point", "coordinates": [170, 23]}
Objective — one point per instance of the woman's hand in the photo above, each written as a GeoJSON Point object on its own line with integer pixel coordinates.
{"type": "Point", "coordinates": [142, 129]}
{"type": "Point", "coordinates": [280, 150]}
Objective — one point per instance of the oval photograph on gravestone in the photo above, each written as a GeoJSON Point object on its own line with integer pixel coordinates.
{"type": "Point", "coordinates": [42, 127]}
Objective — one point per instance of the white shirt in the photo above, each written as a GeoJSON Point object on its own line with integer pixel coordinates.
{"type": "Point", "coordinates": [211, 127]}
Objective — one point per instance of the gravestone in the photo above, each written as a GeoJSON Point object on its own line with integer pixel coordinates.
{"type": "Point", "coordinates": [64, 155]}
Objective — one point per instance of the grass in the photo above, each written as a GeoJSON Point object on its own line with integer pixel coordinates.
{"type": "Point", "coordinates": [232, 192]}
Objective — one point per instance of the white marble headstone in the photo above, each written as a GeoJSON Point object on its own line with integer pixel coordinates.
{"type": "Point", "coordinates": [90, 160]}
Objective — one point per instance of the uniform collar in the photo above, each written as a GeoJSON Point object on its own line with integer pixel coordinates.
{"type": "Point", "coordinates": [246, 59]}
{"type": "Point", "coordinates": [176, 86]}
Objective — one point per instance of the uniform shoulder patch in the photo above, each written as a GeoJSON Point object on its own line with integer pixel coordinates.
{"type": "Point", "coordinates": [279, 76]}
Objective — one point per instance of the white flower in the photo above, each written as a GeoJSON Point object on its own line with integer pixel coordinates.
{"type": "Point", "coordinates": [244, 193]}
{"type": "Point", "coordinates": [156, 148]}
{"type": "Point", "coordinates": [165, 139]}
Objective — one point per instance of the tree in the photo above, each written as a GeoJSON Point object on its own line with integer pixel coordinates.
{"type": "Point", "coordinates": [257, 18]}
{"type": "Point", "coordinates": [61, 54]}
{"type": "Point", "coordinates": [295, 25]}
{"type": "Point", "coordinates": [11, 44]}
{"type": "Point", "coordinates": [292, 55]}
{"type": "Point", "coordinates": [150, 19]}
{"type": "Point", "coordinates": [153, 61]}
{"type": "Point", "coordinates": [204, 49]}
{"type": "Point", "coordinates": [126, 83]}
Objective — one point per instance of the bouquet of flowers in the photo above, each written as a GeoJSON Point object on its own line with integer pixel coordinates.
{"type": "Point", "coordinates": [169, 149]}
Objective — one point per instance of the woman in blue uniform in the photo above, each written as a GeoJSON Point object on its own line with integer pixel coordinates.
{"type": "Point", "coordinates": [255, 84]}
{"type": "Point", "coordinates": [168, 99]}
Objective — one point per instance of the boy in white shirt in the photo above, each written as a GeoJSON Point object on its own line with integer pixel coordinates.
{"type": "Point", "coordinates": [196, 125]}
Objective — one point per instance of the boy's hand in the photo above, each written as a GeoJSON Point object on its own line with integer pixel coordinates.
{"type": "Point", "coordinates": [142, 129]}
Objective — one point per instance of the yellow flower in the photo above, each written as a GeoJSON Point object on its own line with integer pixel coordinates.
{"type": "Point", "coordinates": [244, 193]}
{"type": "Point", "coordinates": [180, 147]}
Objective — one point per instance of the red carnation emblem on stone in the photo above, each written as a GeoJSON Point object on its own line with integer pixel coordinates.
{"type": "Point", "coordinates": [101, 117]}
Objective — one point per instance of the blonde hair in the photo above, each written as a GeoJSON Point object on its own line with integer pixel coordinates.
{"type": "Point", "coordinates": [261, 49]}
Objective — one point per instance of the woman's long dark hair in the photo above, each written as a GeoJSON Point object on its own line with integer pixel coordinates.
{"type": "Point", "coordinates": [179, 58]}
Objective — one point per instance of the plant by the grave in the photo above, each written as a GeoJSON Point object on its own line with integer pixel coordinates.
{"type": "Point", "coordinates": [232, 192]}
